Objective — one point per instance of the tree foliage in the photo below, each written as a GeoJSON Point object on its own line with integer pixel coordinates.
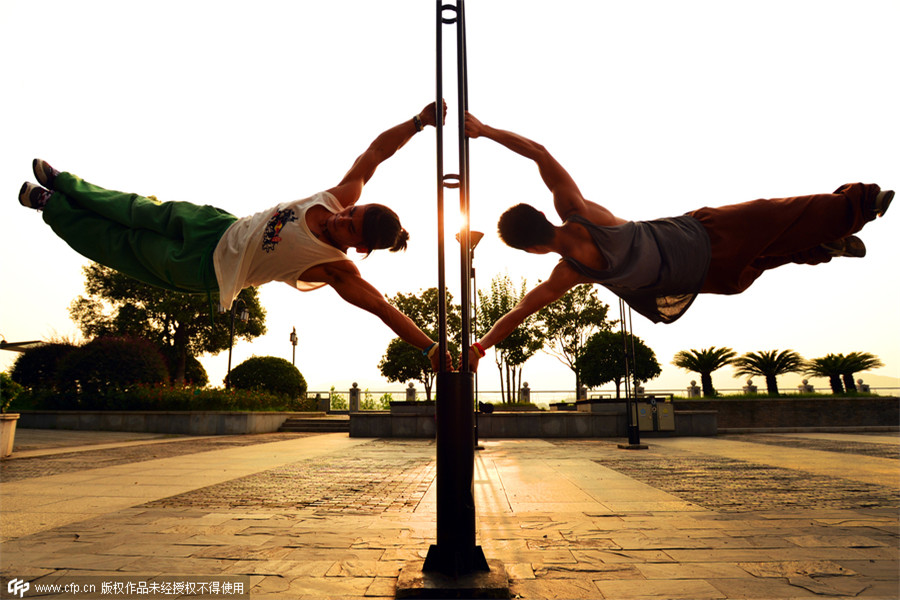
{"type": "Point", "coordinates": [110, 364]}
{"type": "Point", "coordinates": [704, 362]}
{"type": "Point", "coordinates": [769, 364]}
{"type": "Point", "coordinates": [117, 305]}
{"type": "Point", "coordinates": [37, 367]}
{"type": "Point", "coordinates": [401, 361]}
{"type": "Point", "coordinates": [568, 323]}
{"type": "Point", "coordinates": [857, 362]}
{"type": "Point", "coordinates": [511, 353]}
{"type": "Point", "coordinates": [603, 360]}
{"type": "Point", "coordinates": [840, 368]}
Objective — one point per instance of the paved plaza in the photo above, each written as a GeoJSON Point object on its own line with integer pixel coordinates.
{"type": "Point", "coordinates": [300, 515]}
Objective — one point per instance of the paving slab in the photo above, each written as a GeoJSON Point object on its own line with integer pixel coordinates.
{"type": "Point", "coordinates": [327, 516]}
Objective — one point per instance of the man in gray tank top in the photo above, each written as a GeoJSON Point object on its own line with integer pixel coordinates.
{"type": "Point", "coordinates": [658, 267]}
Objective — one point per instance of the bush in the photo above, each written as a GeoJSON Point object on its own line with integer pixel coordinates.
{"type": "Point", "coordinates": [111, 364]}
{"type": "Point", "coordinates": [270, 374]}
{"type": "Point", "coordinates": [9, 389]}
{"type": "Point", "coordinates": [37, 368]}
{"type": "Point", "coordinates": [163, 398]}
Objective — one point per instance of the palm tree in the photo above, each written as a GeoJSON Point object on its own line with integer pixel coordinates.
{"type": "Point", "coordinates": [769, 364]}
{"type": "Point", "coordinates": [856, 362]}
{"type": "Point", "coordinates": [704, 362]}
{"type": "Point", "coordinates": [831, 366]}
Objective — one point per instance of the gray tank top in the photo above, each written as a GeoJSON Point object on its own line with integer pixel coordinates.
{"type": "Point", "coordinates": [657, 267]}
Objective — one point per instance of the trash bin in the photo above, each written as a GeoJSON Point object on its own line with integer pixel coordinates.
{"type": "Point", "coordinates": [655, 415]}
{"type": "Point", "coordinates": [665, 416]}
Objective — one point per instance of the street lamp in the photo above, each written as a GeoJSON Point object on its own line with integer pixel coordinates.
{"type": "Point", "coordinates": [245, 316]}
{"type": "Point", "coordinates": [294, 344]}
{"type": "Point", "coordinates": [474, 238]}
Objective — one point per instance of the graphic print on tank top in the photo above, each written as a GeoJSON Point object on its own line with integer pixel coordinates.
{"type": "Point", "coordinates": [274, 226]}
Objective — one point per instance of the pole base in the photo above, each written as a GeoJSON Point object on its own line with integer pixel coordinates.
{"type": "Point", "coordinates": [414, 582]}
{"type": "Point", "coordinates": [634, 447]}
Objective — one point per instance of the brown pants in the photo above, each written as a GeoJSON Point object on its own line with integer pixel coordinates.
{"type": "Point", "coordinates": [749, 238]}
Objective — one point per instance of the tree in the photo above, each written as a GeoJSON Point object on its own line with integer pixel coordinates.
{"type": "Point", "coordinates": [404, 362]}
{"type": "Point", "coordinates": [511, 353]}
{"type": "Point", "coordinates": [570, 321]}
{"type": "Point", "coordinates": [769, 364]}
{"type": "Point", "coordinates": [401, 361]}
{"type": "Point", "coordinates": [179, 324]}
{"type": "Point", "coordinates": [857, 362]}
{"type": "Point", "coordinates": [831, 366]}
{"type": "Point", "coordinates": [603, 360]}
{"type": "Point", "coordinates": [704, 362]}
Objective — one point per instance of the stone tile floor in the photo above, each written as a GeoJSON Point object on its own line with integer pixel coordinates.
{"type": "Point", "coordinates": [324, 516]}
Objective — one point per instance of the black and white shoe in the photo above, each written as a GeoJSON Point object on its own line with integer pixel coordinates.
{"type": "Point", "coordinates": [44, 173]}
{"type": "Point", "coordinates": [882, 202]}
{"type": "Point", "coordinates": [33, 196]}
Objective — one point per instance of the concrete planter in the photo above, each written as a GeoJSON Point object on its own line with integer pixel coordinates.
{"type": "Point", "coordinates": [7, 433]}
{"type": "Point", "coordinates": [516, 407]}
{"type": "Point", "coordinates": [412, 407]}
{"type": "Point", "coordinates": [186, 422]}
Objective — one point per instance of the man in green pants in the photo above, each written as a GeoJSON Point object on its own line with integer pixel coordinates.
{"type": "Point", "coordinates": [184, 247]}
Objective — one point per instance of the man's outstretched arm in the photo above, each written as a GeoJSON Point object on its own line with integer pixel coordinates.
{"type": "Point", "coordinates": [346, 280]}
{"type": "Point", "coordinates": [382, 148]}
{"type": "Point", "coordinates": [567, 198]}
{"type": "Point", "coordinates": [561, 280]}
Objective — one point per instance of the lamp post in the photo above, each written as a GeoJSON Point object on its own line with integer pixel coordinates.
{"type": "Point", "coordinates": [294, 344]}
{"type": "Point", "coordinates": [474, 238]}
{"type": "Point", "coordinates": [245, 316]}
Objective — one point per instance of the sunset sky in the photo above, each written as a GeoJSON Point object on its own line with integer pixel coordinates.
{"type": "Point", "coordinates": [655, 108]}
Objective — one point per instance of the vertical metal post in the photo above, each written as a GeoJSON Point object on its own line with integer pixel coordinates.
{"type": "Point", "coordinates": [455, 553]}
{"type": "Point", "coordinates": [634, 433]}
{"type": "Point", "coordinates": [439, 126]}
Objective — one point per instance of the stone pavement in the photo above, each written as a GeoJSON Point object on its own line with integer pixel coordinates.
{"type": "Point", "coordinates": [764, 516]}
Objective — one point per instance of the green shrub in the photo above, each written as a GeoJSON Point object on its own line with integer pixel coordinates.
{"type": "Point", "coordinates": [37, 368]}
{"type": "Point", "coordinates": [9, 389]}
{"type": "Point", "coordinates": [163, 398]}
{"type": "Point", "coordinates": [110, 364]}
{"type": "Point", "coordinates": [270, 374]}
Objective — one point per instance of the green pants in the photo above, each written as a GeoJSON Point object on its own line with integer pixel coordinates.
{"type": "Point", "coordinates": [168, 245]}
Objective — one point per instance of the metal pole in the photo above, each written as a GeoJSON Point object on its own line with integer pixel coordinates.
{"type": "Point", "coordinates": [230, 346]}
{"type": "Point", "coordinates": [439, 126]}
{"type": "Point", "coordinates": [634, 434]}
{"type": "Point", "coordinates": [455, 552]}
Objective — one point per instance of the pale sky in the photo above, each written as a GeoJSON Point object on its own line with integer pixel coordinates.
{"type": "Point", "coordinates": [655, 108]}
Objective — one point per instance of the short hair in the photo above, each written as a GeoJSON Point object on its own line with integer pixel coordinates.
{"type": "Point", "coordinates": [523, 226]}
{"type": "Point", "coordinates": [382, 229]}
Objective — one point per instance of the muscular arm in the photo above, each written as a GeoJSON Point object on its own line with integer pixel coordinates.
{"type": "Point", "coordinates": [567, 198]}
{"type": "Point", "coordinates": [382, 148]}
{"type": "Point", "coordinates": [561, 280]}
{"type": "Point", "coordinates": [346, 280]}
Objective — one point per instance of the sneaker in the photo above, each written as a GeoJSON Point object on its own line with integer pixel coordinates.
{"type": "Point", "coordinates": [850, 246]}
{"type": "Point", "coordinates": [45, 174]}
{"type": "Point", "coordinates": [882, 201]}
{"type": "Point", "coordinates": [33, 196]}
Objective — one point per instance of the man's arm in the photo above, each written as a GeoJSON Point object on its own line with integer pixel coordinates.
{"type": "Point", "coordinates": [561, 280]}
{"type": "Point", "coordinates": [346, 280]}
{"type": "Point", "coordinates": [382, 148]}
{"type": "Point", "coordinates": [567, 198]}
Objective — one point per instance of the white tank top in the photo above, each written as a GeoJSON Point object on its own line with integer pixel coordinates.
{"type": "Point", "coordinates": [273, 245]}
